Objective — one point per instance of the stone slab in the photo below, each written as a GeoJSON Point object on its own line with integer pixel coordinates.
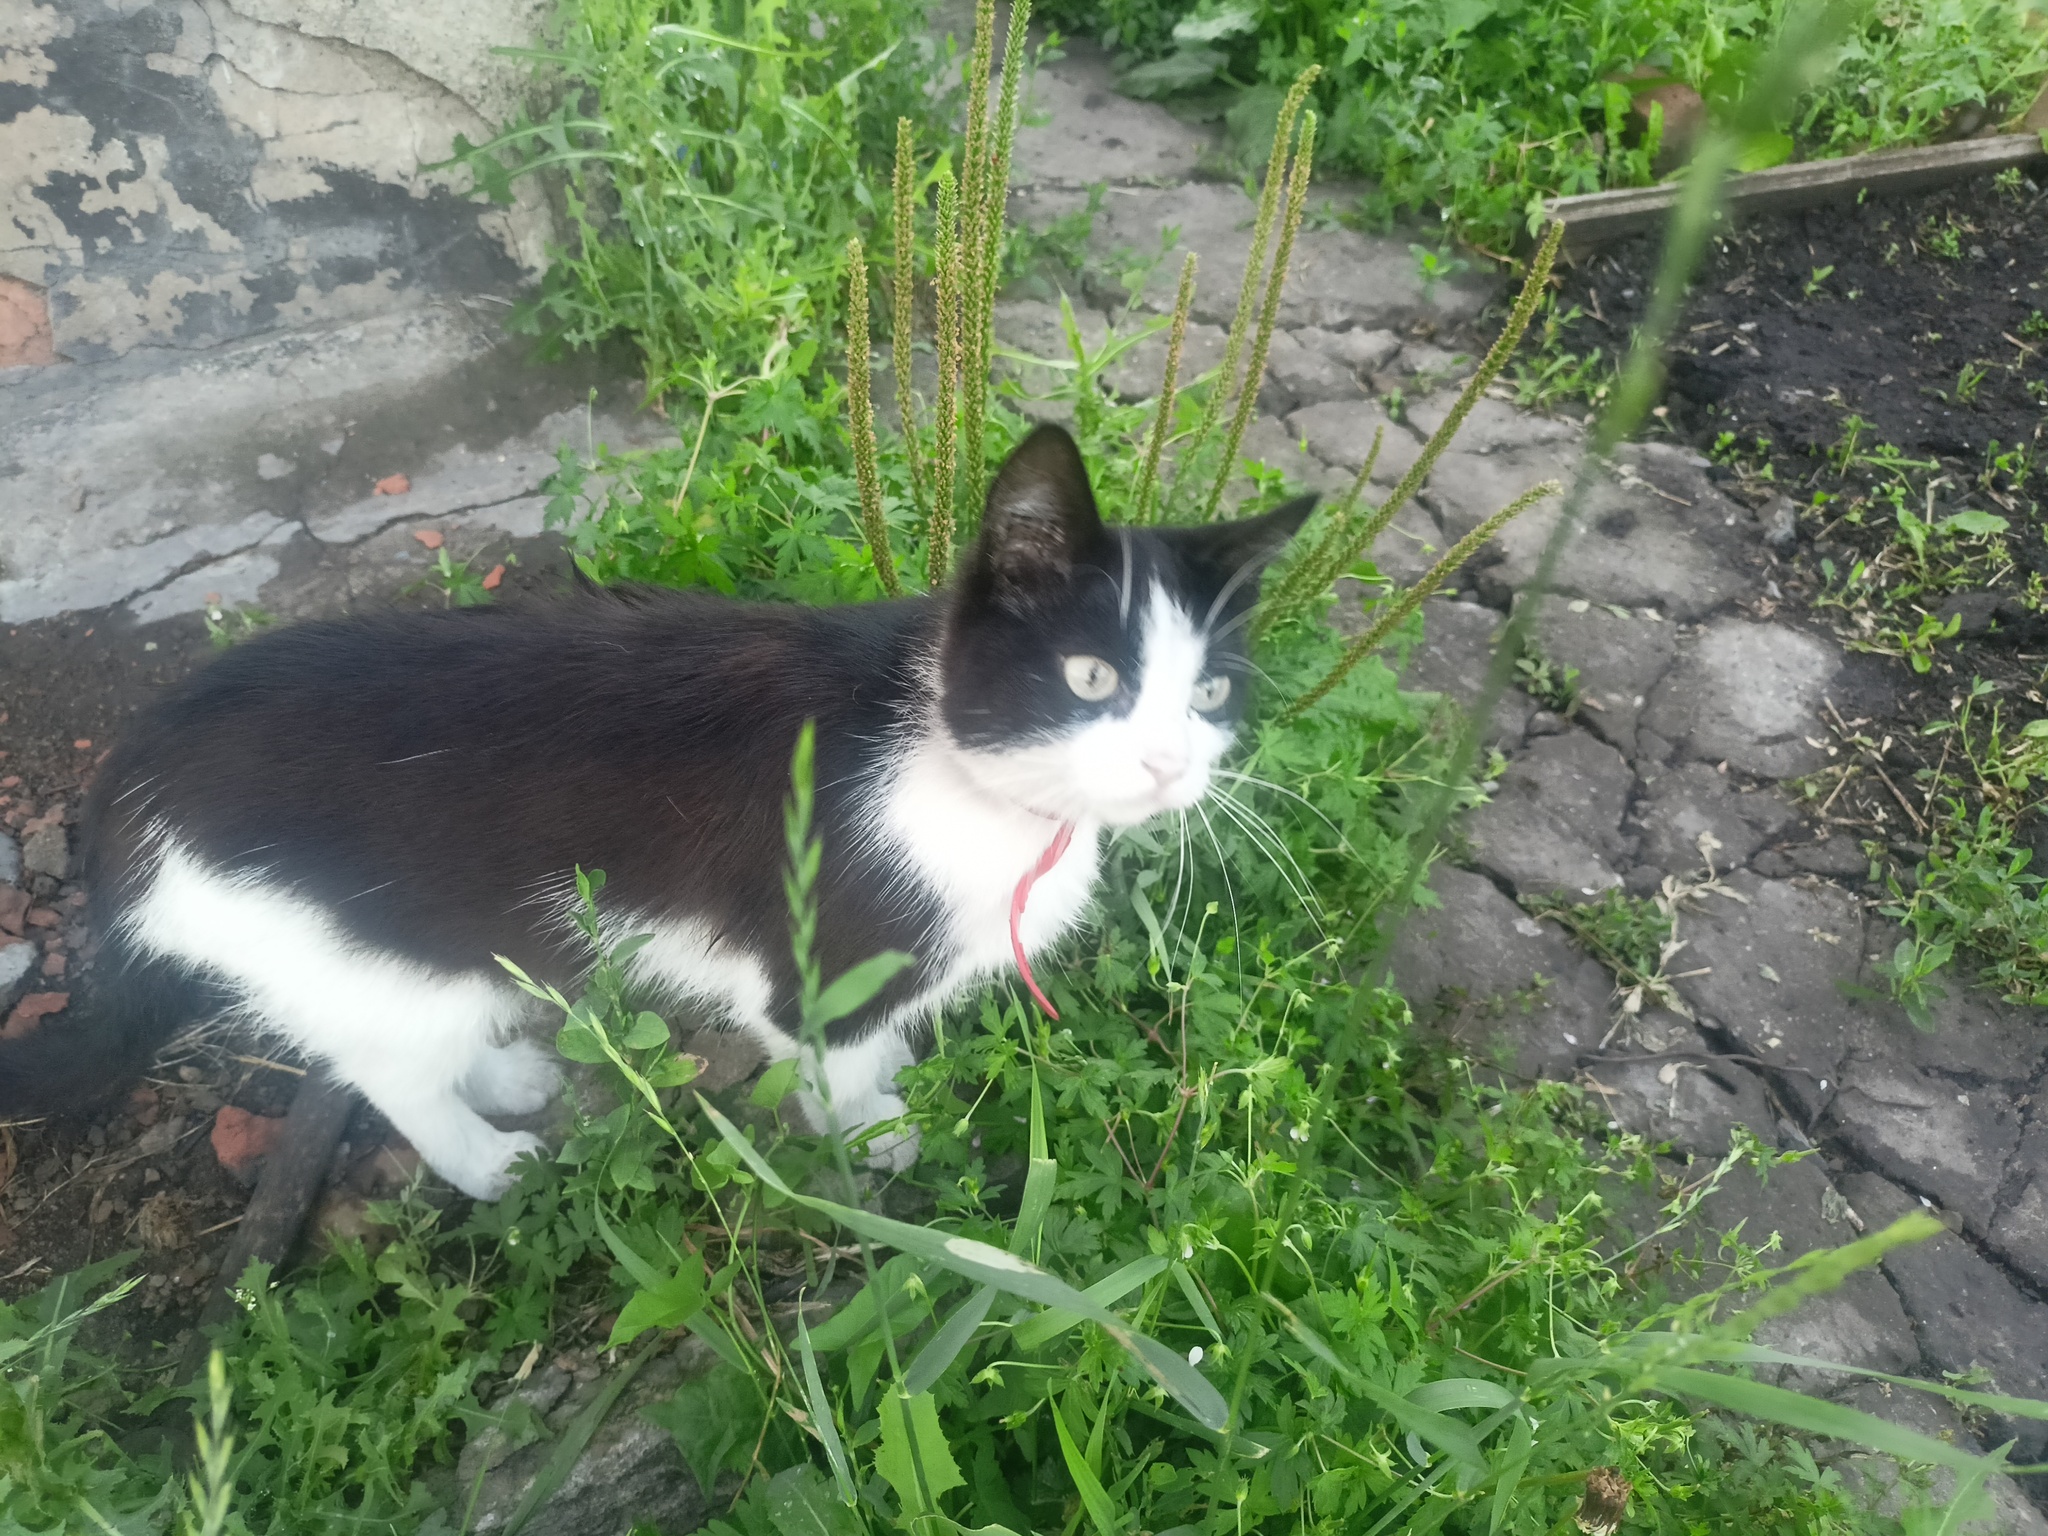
{"type": "Point", "coordinates": [1341, 433]}
{"type": "Point", "coordinates": [1967, 1313]}
{"type": "Point", "coordinates": [1692, 1105]}
{"type": "Point", "coordinates": [1620, 657]}
{"type": "Point", "coordinates": [1458, 640]}
{"type": "Point", "coordinates": [1509, 989]}
{"type": "Point", "coordinates": [1923, 1131]}
{"type": "Point", "coordinates": [2019, 1230]}
{"type": "Point", "coordinates": [1339, 279]}
{"type": "Point", "coordinates": [1862, 1323]}
{"type": "Point", "coordinates": [1679, 804]}
{"type": "Point", "coordinates": [1629, 547]}
{"type": "Point", "coordinates": [1750, 695]}
{"type": "Point", "coordinates": [1774, 967]}
{"type": "Point", "coordinates": [1077, 131]}
{"type": "Point", "coordinates": [1553, 826]}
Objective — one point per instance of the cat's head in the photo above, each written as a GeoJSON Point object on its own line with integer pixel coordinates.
{"type": "Point", "coordinates": [1096, 672]}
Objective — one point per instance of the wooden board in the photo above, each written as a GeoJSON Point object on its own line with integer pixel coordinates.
{"type": "Point", "coordinates": [1596, 217]}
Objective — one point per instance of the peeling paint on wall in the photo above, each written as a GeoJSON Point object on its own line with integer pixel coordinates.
{"type": "Point", "coordinates": [183, 172]}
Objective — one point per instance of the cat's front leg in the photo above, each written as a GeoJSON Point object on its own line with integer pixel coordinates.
{"type": "Point", "coordinates": [861, 1080]}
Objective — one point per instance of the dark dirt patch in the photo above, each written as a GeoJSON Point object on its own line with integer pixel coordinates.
{"type": "Point", "coordinates": [138, 1171]}
{"type": "Point", "coordinates": [1856, 360]}
{"type": "Point", "coordinates": [1771, 351]}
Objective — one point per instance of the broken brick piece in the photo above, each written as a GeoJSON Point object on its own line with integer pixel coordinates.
{"type": "Point", "coordinates": [32, 1010]}
{"type": "Point", "coordinates": [242, 1140]}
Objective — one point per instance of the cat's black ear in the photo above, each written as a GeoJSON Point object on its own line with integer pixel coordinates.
{"type": "Point", "coordinates": [1041, 518]}
{"type": "Point", "coordinates": [1243, 548]}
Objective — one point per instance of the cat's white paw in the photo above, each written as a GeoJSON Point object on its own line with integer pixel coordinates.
{"type": "Point", "coordinates": [485, 1169]}
{"type": "Point", "coordinates": [515, 1079]}
{"type": "Point", "coordinates": [894, 1151]}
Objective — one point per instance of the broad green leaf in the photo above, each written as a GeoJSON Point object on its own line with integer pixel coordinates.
{"type": "Point", "coordinates": [578, 1042]}
{"type": "Point", "coordinates": [944, 1346]}
{"type": "Point", "coordinates": [1040, 1178]}
{"type": "Point", "coordinates": [1461, 1392]}
{"type": "Point", "coordinates": [858, 986]}
{"type": "Point", "coordinates": [1101, 1513]}
{"type": "Point", "coordinates": [1761, 151]}
{"type": "Point", "coordinates": [648, 1030]}
{"type": "Point", "coordinates": [775, 1084]}
{"type": "Point", "coordinates": [1193, 1293]}
{"type": "Point", "coordinates": [669, 1305]}
{"type": "Point", "coordinates": [711, 1417]}
{"type": "Point", "coordinates": [913, 1444]}
{"type": "Point", "coordinates": [1006, 1272]}
{"type": "Point", "coordinates": [673, 1072]}
{"type": "Point", "coordinates": [1224, 21]}
{"type": "Point", "coordinates": [1977, 523]}
{"type": "Point", "coordinates": [1111, 1287]}
{"type": "Point", "coordinates": [1520, 1444]}
{"type": "Point", "coordinates": [1178, 71]}
{"type": "Point", "coordinates": [626, 949]}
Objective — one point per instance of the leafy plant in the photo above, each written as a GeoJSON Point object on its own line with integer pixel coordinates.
{"type": "Point", "coordinates": [716, 158]}
{"type": "Point", "coordinates": [1486, 110]}
{"type": "Point", "coordinates": [226, 627]}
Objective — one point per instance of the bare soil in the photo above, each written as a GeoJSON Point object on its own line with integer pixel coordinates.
{"type": "Point", "coordinates": [1917, 322]}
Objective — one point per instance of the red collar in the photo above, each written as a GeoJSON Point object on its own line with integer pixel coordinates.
{"type": "Point", "coordinates": [1060, 841]}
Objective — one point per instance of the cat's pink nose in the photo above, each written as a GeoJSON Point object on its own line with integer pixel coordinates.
{"type": "Point", "coordinates": [1165, 767]}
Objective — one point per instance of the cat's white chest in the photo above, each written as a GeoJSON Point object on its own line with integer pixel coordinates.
{"type": "Point", "coordinates": [972, 851]}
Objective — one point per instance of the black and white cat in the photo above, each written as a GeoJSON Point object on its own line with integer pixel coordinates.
{"type": "Point", "coordinates": [332, 829]}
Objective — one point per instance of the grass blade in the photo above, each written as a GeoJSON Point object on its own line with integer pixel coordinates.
{"type": "Point", "coordinates": [821, 1414]}
{"type": "Point", "coordinates": [1094, 1499]}
{"type": "Point", "coordinates": [944, 1346]}
{"type": "Point", "coordinates": [991, 1266]}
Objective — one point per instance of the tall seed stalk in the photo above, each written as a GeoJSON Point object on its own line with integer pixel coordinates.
{"type": "Point", "coordinates": [860, 410]}
{"type": "Point", "coordinates": [1345, 539]}
{"type": "Point", "coordinates": [1255, 367]}
{"type": "Point", "coordinates": [984, 201]}
{"type": "Point", "coordinates": [903, 323]}
{"type": "Point", "coordinates": [945, 442]}
{"type": "Point", "coordinates": [1162, 420]}
{"type": "Point", "coordinates": [974, 238]}
{"type": "Point", "coordinates": [1221, 391]}
{"type": "Point", "coordinates": [1393, 612]}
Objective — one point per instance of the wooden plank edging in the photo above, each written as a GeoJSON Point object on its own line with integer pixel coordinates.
{"type": "Point", "coordinates": [1594, 218]}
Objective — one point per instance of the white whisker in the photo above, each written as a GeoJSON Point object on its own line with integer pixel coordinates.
{"type": "Point", "coordinates": [1269, 843]}
{"type": "Point", "coordinates": [1223, 865]}
{"type": "Point", "coordinates": [1282, 789]}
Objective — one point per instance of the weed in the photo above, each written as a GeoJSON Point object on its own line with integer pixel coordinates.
{"type": "Point", "coordinates": [2035, 325]}
{"type": "Point", "coordinates": [226, 627]}
{"type": "Point", "coordinates": [1813, 283]}
{"type": "Point", "coordinates": [1975, 892]}
{"type": "Point", "coordinates": [459, 585]}
{"type": "Point", "coordinates": [1944, 237]}
{"type": "Point", "coordinates": [716, 161]}
{"type": "Point", "coordinates": [1553, 686]}
{"type": "Point", "coordinates": [1969, 381]}
{"type": "Point", "coordinates": [1434, 266]}
{"type": "Point", "coordinates": [1547, 375]}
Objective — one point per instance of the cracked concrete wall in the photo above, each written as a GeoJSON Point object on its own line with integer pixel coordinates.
{"type": "Point", "coordinates": [179, 173]}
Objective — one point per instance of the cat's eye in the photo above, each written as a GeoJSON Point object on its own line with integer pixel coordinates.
{"type": "Point", "coordinates": [1091, 678]}
{"type": "Point", "coordinates": [1210, 693]}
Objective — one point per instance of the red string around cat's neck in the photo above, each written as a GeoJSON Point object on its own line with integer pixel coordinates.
{"type": "Point", "coordinates": [1046, 860]}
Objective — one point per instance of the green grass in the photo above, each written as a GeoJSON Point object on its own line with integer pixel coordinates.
{"type": "Point", "coordinates": [714, 156]}
{"type": "Point", "coordinates": [1483, 108]}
